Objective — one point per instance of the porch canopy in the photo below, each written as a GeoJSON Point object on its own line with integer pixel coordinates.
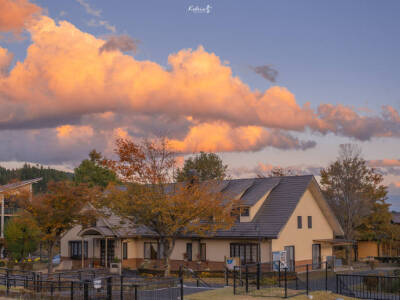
{"type": "Point", "coordinates": [336, 242]}
{"type": "Point", "coordinates": [97, 231]}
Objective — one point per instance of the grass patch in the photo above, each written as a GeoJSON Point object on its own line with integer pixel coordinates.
{"type": "Point", "coordinates": [227, 294]}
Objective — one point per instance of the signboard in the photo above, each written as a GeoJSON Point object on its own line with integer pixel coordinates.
{"type": "Point", "coordinates": [231, 262]}
{"type": "Point", "coordinates": [97, 283]}
{"type": "Point", "coordinates": [279, 258]}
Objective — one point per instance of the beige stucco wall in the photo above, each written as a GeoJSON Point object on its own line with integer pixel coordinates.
{"type": "Point", "coordinates": [216, 249]}
{"type": "Point", "coordinates": [367, 248]}
{"type": "Point", "coordinates": [303, 238]}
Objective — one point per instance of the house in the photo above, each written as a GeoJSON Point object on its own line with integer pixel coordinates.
{"type": "Point", "coordinates": [277, 214]}
{"type": "Point", "coordinates": [8, 207]}
{"type": "Point", "coordinates": [367, 249]}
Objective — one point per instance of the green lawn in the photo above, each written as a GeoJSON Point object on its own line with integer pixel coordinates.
{"type": "Point", "coordinates": [227, 294]}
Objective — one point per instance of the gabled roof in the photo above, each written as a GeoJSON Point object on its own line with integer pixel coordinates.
{"type": "Point", "coordinates": [15, 185]}
{"type": "Point", "coordinates": [284, 193]}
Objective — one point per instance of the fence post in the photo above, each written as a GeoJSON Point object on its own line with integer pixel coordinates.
{"type": "Point", "coordinates": [181, 282]}
{"type": "Point", "coordinates": [326, 276]}
{"type": "Point", "coordinates": [234, 280]}
{"type": "Point", "coordinates": [72, 290]}
{"type": "Point", "coordinates": [86, 290]}
{"type": "Point", "coordinates": [122, 288]}
{"type": "Point", "coordinates": [109, 288]}
{"type": "Point", "coordinates": [51, 289]}
{"type": "Point", "coordinates": [247, 279]}
{"type": "Point", "coordinates": [258, 275]}
{"type": "Point", "coordinates": [307, 278]}
{"type": "Point", "coordinates": [7, 283]}
{"type": "Point", "coordinates": [285, 282]}
{"type": "Point", "coordinates": [279, 273]}
{"type": "Point", "coordinates": [136, 295]}
{"type": "Point", "coordinates": [59, 281]}
{"type": "Point", "coordinates": [226, 277]}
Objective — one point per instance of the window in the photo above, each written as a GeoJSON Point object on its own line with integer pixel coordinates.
{"type": "Point", "coordinates": [299, 222]}
{"type": "Point", "coordinates": [75, 249]}
{"type": "Point", "coordinates": [248, 253]}
{"type": "Point", "coordinates": [244, 212]}
{"type": "Point", "coordinates": [203, 252]}
{"type": "Point", "coordinates": [309, 221]}
{"type": "Point", "coordinates": [125, 250]}
{"type": "Point", "coordinates": [150, 250]}
{"type": "Point", "coordinates": [189, 251]}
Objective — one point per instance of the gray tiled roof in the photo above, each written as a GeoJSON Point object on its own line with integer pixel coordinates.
{"type": "Point", "coordinates": [396, 218]}
{"type": "Point", "coordinates": [284, 194]}
{"type": "Point", "coordinates": [275, 211]}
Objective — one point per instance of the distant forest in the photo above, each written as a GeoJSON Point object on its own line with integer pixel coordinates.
{"type": "Point", "coordinates": [30, 172]}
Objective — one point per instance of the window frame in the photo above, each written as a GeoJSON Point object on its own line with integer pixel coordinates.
{"type": "Point", "coordinates": [125, 250]}
{"type": "Point", "coordinates": [144, 250]}
{"type": "Point", "coordinates": [203, 252]}
{"type": "Point", "coordinates": [309, 222]}
{"type": "Point", "coordinates": [299, 222]}
{"type": "Point", "coordinates": [75, 249]}
{"type": "Point", "coordinates": [251, 252]}
{"type": "Point", "coordinates": [245, 211]}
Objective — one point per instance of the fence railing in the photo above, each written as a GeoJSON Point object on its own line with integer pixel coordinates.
{"type": "Point", "coordinates": [368, 286]}
{"type": "Point", "coordinates": [88, 285]}
{"type": "Point", "coordinates": [273, 280]}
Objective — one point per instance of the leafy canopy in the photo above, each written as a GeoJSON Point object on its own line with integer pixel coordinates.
{"type": "Point", "coordinates": [92, 172]}
{"type": "Point", "coordinates": [352, 188]}
{"type": "Point", "coordinates": [22, 236]}
{"type": "Point", "coordinates": [207, 166]}
{"type": "Point", "coordinates": [151, 199]}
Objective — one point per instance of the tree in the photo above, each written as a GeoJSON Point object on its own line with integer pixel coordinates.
{"type": "Point", "coordinates": [351, 188]}
{"type": "Point", "coordinates": [92, 172]}
{"type": "Point", "coordinates": [167, 210]}
{"type": "Point", "coordinates": [62, 207]}
{"type": "Point", "coordinates": [207, 166]}
{"type": "Point", "coordinates": [377, 225]}
{"type": "Point", "coordinates": [279, 172]}
{"type": "Point", "coordinates": [22, 236]}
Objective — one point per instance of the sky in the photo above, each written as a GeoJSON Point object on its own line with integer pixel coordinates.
{"type": "Point", "coordinates": [262, 83]}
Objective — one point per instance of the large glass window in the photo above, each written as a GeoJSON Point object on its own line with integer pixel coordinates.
{"type": "Point", "coordinates": [203, 252]}
{"type": "Point", "coordinates": [150, 250]}
{"type": "Point", "coordinates": [248, 253]}
{"type": "Point", "coordinates": [75, 249]}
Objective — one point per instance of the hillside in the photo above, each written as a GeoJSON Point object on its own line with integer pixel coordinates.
{"type": "Point", "coordinates": [29, 172]}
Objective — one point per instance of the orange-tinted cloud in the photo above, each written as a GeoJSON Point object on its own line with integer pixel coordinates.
{"type": "Point", "coordinates": [16, 14]}
{"type": "Point", "coordinates": [220, 137]}
{"type": "Point", "coordinates": [385, 163]}
{"type": "Point", "coordinates": [5, 61]}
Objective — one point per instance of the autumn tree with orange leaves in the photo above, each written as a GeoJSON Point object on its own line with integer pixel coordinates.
{"type": "Point", "coordinates": [62, 207]}
{"type": "Point", "coordinates": [168, 210]}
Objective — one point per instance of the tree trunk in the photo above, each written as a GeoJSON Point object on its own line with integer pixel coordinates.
{"type": "Point", "coordinates": [168, 248]}
{"type": "Point", "coordinates": [50, 255]}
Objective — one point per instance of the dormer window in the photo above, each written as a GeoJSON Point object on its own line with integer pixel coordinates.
{"type": "Point", "coordinates": [245, 211]}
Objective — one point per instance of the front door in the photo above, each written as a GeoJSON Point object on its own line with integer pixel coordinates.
{"type": "Point", "coordinates": [290, 258]}
{"type": "Point", "coordinates": [110, 252]}
{"type": "Point", "coordinates": [316, 256]}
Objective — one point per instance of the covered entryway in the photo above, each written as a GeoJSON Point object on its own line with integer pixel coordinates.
{"type": "Point", "coordinates": [103, 244]}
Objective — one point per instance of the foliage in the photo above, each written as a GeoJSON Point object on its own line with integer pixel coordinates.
{"type": "Point", "coordinates": [206, 166]}
{"type": "Point", "coordinates": [22, 236]}
{"type": "Point", "coordinates": [168, 210]}
{"type": "Point", "coordinates": [279, 172]}
{"type": "Point", "coordinates": [59, 209]}
{"type": "Point", "coordinates": [351, 188]}
{"type": "Point", "coordinates": [92, 172]}
{"type": "Point", "coordinates": [30, 172]}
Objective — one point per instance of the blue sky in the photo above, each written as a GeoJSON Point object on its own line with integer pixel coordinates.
{"type": "Point", "coordinates": [336, 52]}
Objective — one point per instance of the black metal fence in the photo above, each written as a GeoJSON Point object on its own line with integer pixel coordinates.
{"type": "Point", "coordinates": [266, 279]}
{"type": "Point", "coordinates": [368, 287]}
{"type": "Point", "coordinates": [87, 285]}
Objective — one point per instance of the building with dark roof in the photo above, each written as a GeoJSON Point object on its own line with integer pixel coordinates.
{"type": "Point", "coordinates": [278, 214]}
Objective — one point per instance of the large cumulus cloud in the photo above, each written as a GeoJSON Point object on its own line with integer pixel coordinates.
{"type": "Point", "coordinates": [68, 83]}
